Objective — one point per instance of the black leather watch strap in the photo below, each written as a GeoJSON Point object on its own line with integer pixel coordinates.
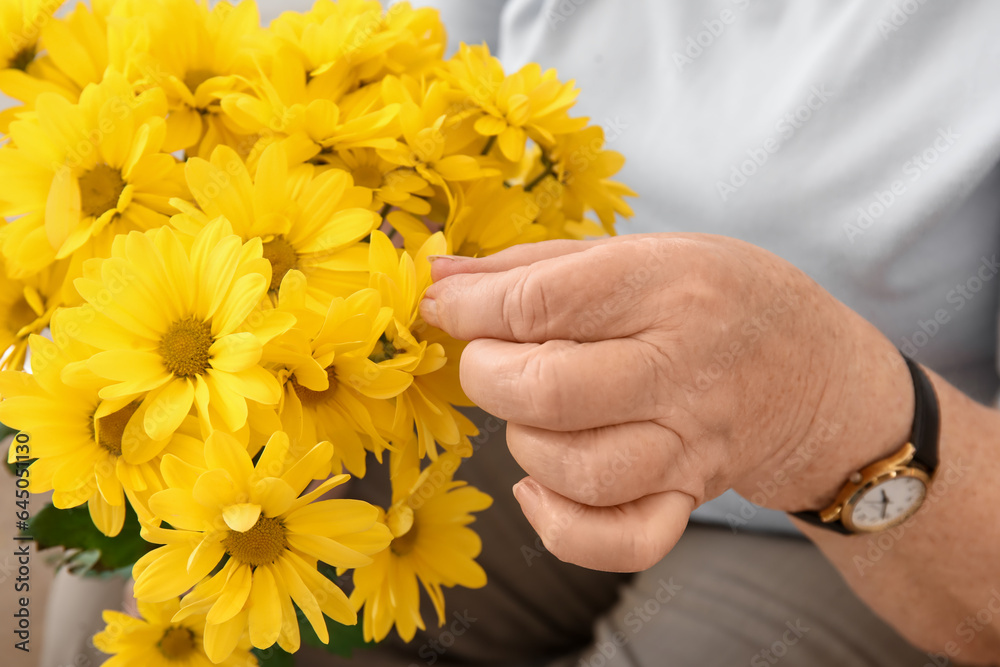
{"type": "Point", "coordinates": [926, 418]}
{"type": "Point", "coordinates": [923, 436]}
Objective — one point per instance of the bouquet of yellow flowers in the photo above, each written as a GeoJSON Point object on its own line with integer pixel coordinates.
{"type": "Point", "coordinates": [216, 239]}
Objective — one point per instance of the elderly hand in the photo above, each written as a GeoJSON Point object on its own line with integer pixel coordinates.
{"type": "Point", "coordinates": [643, 375]}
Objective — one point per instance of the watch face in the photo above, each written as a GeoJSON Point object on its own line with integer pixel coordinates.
{"type": "Point", "coordinates": [888, 503]}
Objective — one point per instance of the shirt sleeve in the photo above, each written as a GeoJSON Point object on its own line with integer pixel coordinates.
{"type": "Point", "coordinates": [469, 21]}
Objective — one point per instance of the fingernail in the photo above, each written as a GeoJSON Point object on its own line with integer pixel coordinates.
{"type": "Point", "coordinates": [429, 311]}
{"type": "Point", "coordinates": [447, 258]}
{"type": "Point", "coordinates": [527, 495]}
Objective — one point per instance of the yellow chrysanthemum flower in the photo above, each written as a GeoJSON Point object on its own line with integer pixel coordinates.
{"type": "Point", "coordinates": [428, 404]}
{"type": "Point", "coordinates": [333, 390]}
{"type": "Point", "coordinates": [289, 106]}
{"type": "Point", "coordinates": [196, 205]}
{"type": "Point", "coordinates": [390, 185]}
{"type": "Point", "coordinates": [433, 142]}
{"type": "Point", "coordinates": [21, 23]}
{"type": "Point", "coordinates": [79, 174]}
{"type": "Point", "coordinates": [306, 220]}
{"type": "Point", "coordinates": [71, 53]}
{"type": "Point", "coordinates": [529, 103]}
{"type": "Point", "coordinates": [583, 170]}
{"type": "Point", "coordinates": [77, 46]}
{"type": "Point", "coordinates": [431, 544]}
{"type": "Point", "coordinates": [157, 641]}
{"type": "Point", "coordinates": [272, 535]}
{"type": "Point", "coordinates": [26, 306]}
{"type": "Point", "coordinates": [341, 44]}
{"type": "Point", "coordinates": [173, 326]}
{"type": "Point", "coordinates": [196, 55]}
{"type": "Point", "coordinates": [488, 217]}
{"type": "Point", "coordinates": [89, 450]}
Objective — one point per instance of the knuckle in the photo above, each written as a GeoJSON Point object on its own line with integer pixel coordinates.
{"type": "Point", "coordinates": [524, 306]}
{"type": "Point", "coordinates": [544, 390]}
{"type": "Point", "coordinates": [581, 471]}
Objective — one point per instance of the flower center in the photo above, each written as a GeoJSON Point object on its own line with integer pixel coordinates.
{"type": "Point", "coordinates": [177, 643]}
{"type": "Point", "coordinates": [405, 543]}
{"type": "Point", "coordinates": [367, 176]}
{"type": "Point", "coordinates": [310, 398]}
{"type": "Point", "coordinates": [283, 259]}
{"type": "Point", "coordinates": [23, 58]}
{"type": "Point", "coordinates": [261, 545]}
{"type": "Point", "coordinates": [384, 349]}
{"type": "Point", "coordinates": [100, 189]}
{"type": "Point", "coordinates": [184, 348]}
{"type": "Point", "coordinates": [196, 77]}
{"type": "Point", "coordinates": [108, 430]}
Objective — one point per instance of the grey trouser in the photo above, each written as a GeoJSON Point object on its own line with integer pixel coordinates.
{"type": "Point", "coordinates": [718, 599]}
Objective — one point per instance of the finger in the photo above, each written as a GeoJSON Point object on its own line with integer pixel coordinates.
{"type": "Point", "coordinates": [443, 266]}
{"type": "Point", "coordinates": [561, 385]}
{"type": "Point", "coordinates": [606, 466]}
{"type": "Point", "coordinates": [626, 538]}
{"type": "Point", "coordinates": [586, 295]}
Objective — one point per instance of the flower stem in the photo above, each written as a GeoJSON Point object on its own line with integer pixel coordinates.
{"type": "Point", "coordinates": [489, 145]}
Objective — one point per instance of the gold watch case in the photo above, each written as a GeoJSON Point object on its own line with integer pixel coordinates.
{"type": "Point", "coordinates": [895, 466]}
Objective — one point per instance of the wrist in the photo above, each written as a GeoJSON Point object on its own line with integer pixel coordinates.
{"type": "Point", "coordinates": [864, 414]}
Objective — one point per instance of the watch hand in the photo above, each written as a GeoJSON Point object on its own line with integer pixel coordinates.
{"type": "Point", "coordinates": [885, 499]}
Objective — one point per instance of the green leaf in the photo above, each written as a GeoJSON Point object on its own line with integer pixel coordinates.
{"type": "Point", "coordinates": [88, 551]}
{"type": "Point", "coordinates": [273, 657]}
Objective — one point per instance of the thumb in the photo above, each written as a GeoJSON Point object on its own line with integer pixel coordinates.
{"type": "Point", "coordinates": [627, 538]}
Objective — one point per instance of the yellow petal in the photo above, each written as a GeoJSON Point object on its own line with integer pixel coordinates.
{"type": "Point", "coordinates": [241, 517]}
{"type": "Point", "coordinates": [123, 365]}
{"type": "Point", "coordinates": [490, 125]}
{"type": "Point", "coordinates": [272, 460]}
{"type": "Point", "coordinates": [205, 557]}
{"type": "Point", "coordinates": [331, 599]}
{"type": "Point", "coordinates": [179, 473]}
{"type": "Point", "coordinates": [108, 518]}
{"type": "Point", "coordinates": [169, 408]}
{"type": "Point", "coordinates": [254, 383]}
{"type": "Point", "coordinates": [300, 474]}
{"type": "Point", "coordinates": [163, 574]}
{"type": "Point", "coordinates": [224, 451]}
{"type": "Point", "coordinates": [221, 640]}
{"type": "Point", "coordinates": [333, 518]}
{"type": "Point", "coordinates": [216, 489]}
{"type": "Point", "coordinates": [302, 595]}
{"type": "Point", "coordinates": [265, 609]}
{"type": "Point", "coordinates": [234, 596]}
{"type": "Point", "coordinates": [289, 638]}
{"type": "Point", "coordinates": [226, 403]}
{"type": "Point", "coordinates": [274, 496]}
{"type": "Point", "coordinates": [327, 550]}
{"type": "Point", "coordinates": [62, 210]}
{"type": "Point", "coordinates": [178, 508]}
{"type": "Point", "coordinates": [244, 296]}
{"type": "Point", "coordinates": [235, 352]}
{"type": "Point", "coordinates": [184, 129]}
{"type": "Point", "coordinates": [511, 142]}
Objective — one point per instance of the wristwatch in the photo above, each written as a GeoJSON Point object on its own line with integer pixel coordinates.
{"type": "Point", "coordinates": [888, 492]}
